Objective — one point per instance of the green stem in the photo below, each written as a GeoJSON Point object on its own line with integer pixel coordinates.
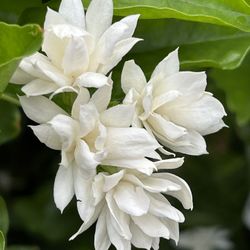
{"type": "Point", "coordinates": [10, 99]}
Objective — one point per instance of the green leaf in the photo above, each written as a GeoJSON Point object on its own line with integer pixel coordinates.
{"type": "Point", "coordinates": [11, 10]}
{"type": "Point", "coordinates": [4, 217]}
{"type": "Point", "coordinates": [201, 45]}
{"type": "Point", "coordinates": [229, 13]}
{"type": "Point", "coordinates": [10, 125]}
{"type": "Point", "coordinates": [236, 86]}
{"type": "Point", "coordinates": [16, 42]}
{"type": "Point", "coordinates": [2, 241]}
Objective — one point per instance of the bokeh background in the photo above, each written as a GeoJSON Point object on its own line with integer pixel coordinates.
{"type": "Point", "coordinates": [219, 180]}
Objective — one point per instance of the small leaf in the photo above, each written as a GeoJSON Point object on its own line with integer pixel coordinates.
{"type": "Point", "coordinates": [16, 42]}
{"type": "Point", "coordinates": [237, 88]}
{"type": "Point", "coordinates": [4, 217]}
{"type": "Point", "coordinates": [2, 241]}
{"type": "Point", "coordinates": [10, 121]}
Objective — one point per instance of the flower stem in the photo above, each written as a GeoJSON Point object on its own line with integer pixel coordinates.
{"type": "Point", "coordinates": [10, 99]}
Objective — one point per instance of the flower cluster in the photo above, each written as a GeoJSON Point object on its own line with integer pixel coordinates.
{"type": "Point", "coordinates": [114, 159]}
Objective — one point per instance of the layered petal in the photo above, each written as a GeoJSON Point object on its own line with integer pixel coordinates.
{"type": "Point", "coordinates": [73, 12]}
{"type": "Point", "coordinates": [132, 77]}
{"type": "Point", "coordinates": [46, 134]}
{"type": "Point", "coordinates": [99, 17]}
{"type": "Point", "coordinates": [129, 143]}
{"type": "Point", "coordinates": [63, 187]}
{"type": "Point", "coordinates": [40, 109]}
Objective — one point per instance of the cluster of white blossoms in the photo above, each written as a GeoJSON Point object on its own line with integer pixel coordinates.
{"type": "Point", "coordinates": [111, 157]}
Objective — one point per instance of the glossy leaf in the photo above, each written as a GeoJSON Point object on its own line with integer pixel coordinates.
{"type": "Point", "coordinates": [16, 42]}
{"type": "Point", "coordinates": [201, 45]}
{"type": "Point", "coordinates": [10, 122]}
{"type": "Point", "coordinates": [230, 13]}
{"type": "Point", "coordinates": [236, 86]}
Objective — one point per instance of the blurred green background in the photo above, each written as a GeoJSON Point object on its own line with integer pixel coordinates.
{"type": "Point", "coordinates": [212, 36]}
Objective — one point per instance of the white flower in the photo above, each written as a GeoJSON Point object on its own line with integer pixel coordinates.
{"type": "Point", "coordinates": [91, 136]}
{"type": "Point", "coordinates": [173, 105]}
{"type": "Point", "coordinates": [130, 209]}
{"type": "Point", "coordinates": [205, 238]}
{"type": "Point", "coordinates": [80, 50]}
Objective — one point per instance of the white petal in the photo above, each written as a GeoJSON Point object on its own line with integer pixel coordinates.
{"type": "Point", "coordinates": [102, 96]}
{"type": "Point", "coordinates": [199, 115]}
{"type": "Point", "coordinates": [143, 165]}
{"type": "Point", "coordinates": [88, 118]}
{"type": "Point", "coordinates": [165, 128]}
{"type": "Point", "coordinates": [118, 116]}
{"type": "Point", "coordinates": [168, 66]}
{"type": "Point", "coordinates": [73, 12]}
{"type": "Point", "coordinates": [110, 181]}
{"type": "Point", "coordinates": [63, 187]}
{"type": "Point", "coordinates": [140, 239]}
{"type": "Point", "coordinates": [116, 239]}
{"type": "Point", "coordinates": [99, 17]}
{"type": "Point", "coordinates": [115, 33]}
{"type": "Point", "coordinates": [39, 87]}
{"type": "Point", "coordinates": [129, 143]}
{"type": "Point", "coordinates": [90, 222]}
{"type": "Point", "coordinates": [65, 89]}
{"type": "Point", "coordinates": [46, 134]}
{"type": "Point", "coordinates": [131, 200]}
{"type": "Point", "coordinates": [54, 47]}
{"type": "Point", "coordinates": [131, 97]}
{"type": "Point", "coordinates": [40, 109]}
{"type": "Point", "coordinates": [53, 73]}
{"type": "Point", "coordinates": [173, 229]}
{"type": "Point", "coordinates": [102, 241]}
{"type": "Point", "coordinates": [67, 158]}
{"type": "Point", "coordinates": [84, 157]}
{"type": "Point", "coordinates": [67, 129]}
{"type": "Point", "coordinates": [156, 243]}
{"type": "Point", "coordinates": [151, 226]}
{"type": "Point", "coordinates": [184, 195]}
{"type": "Point", "coordinates": [76, 57]}
{"type": "Point", "coordinates": [21, 77]}
{"type": "Point", "coordinates": [191, 84]}
{"type": "Point", "coordinates": [53, 18]}
{"type": "Point", "coordinates": [81, 99]}
{"type": "Point", "coordinates": [84, 195]}
{"type": "Point", "coordinates": [160, 207]}
{"type": "Point", "coordinates": [30, 65]}
{"type": "Point", "coordinates": [131, 21]}
{"type": "Point", "coordinates": [120, 218]}
{"type": "Point", "coordinates": [101, 137]}
{"type": "Point", "coordinates": [165, 98]}
{"type": "Point", "coordinates": [193, 144]}
{"type": "Point", "coordinates": [169, 163]}
{"type": "Point", "coordinates": [97, 188]}
{"type": "Point", "coordinates": [153, 184]}
{"type": "Point", "coordinates": [120, 50]}
{"type": "Point", "coordinates": [132, 77]}
{"type": "Point", "coordinates": [92, 80]}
